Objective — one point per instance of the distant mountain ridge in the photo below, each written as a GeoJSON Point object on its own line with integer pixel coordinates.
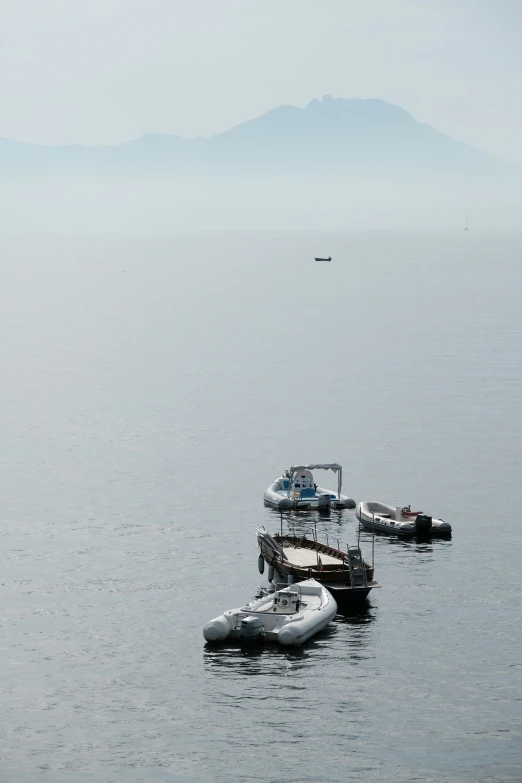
{"type": "Point", "coordinates": [332, 133]}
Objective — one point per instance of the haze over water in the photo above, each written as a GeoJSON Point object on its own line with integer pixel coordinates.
{"type": "Point", "coordinates": [152, 389]}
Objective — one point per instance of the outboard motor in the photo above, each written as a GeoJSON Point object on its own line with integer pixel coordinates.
{"type": "Point", "coordinates": [323, 500]}
{"type": "Point", "coordinates": [251, 629]}
{"type": "Point", "coordinates": [423, 523]}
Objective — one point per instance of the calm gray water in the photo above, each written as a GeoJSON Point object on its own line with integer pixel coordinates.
{"type": "Point", "coordinates": [152, 388]}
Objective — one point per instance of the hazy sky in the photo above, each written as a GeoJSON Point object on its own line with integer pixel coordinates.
{"type": "Point", "coordinates": [102, 71]}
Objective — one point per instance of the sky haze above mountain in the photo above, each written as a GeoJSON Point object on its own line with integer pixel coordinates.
{"type": "Point", "coordinates": [168, 115]}
{"type": "Point", "coordinates": [110, 70]}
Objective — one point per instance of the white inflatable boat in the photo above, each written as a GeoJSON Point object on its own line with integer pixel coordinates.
{"type": "Point", "coordinates": [296, 489]}
{"type": "Point", "coordinates": [400, 521]}
{"type": "Point", "coordinates": [289, 616]}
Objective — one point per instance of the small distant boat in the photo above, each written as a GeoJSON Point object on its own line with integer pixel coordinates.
{"type": "Point", "coordinates": [296, 489]}
{"type": "Point", "coordinates": [324, 259]}
{"type": "Point", "coordinates": [399, 521]}
{"type": "Point", "coordinates": [292, 558]}
{"type": "Point", "coordinates": [466, 226]}
{"type": "Point", "coordinates": [289, 616]}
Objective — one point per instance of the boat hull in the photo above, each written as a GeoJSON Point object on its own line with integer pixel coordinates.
{"type": "Point", "coordinates": [324, 499]}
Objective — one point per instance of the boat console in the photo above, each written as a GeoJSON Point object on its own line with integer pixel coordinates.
{"type": "Point", "coordinates": [286, 602]}
{"type": "Point", "coordinates": [303, 484]}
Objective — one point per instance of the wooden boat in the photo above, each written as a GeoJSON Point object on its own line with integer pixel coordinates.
{"type": "Point", "coordinates": [292, 558]}
{"type": "Point", "coordinates": [324, 259]}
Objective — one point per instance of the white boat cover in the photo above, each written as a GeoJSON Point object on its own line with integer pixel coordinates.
{"type": "Point", "coordinates": [333, 466]}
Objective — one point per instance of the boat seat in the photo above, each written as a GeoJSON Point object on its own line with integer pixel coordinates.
{"type": "Point", "coordinates": [307, 492]}
{"type": "Point", "coordinates": [311, 589]}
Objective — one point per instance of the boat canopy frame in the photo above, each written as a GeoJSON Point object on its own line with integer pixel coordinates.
{"type": "Point", "coordinates": [334, 466]}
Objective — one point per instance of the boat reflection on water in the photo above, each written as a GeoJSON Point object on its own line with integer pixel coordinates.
{"type": "Point", "coordinates": [355, 630]}
{"type": "Point", "coordinates": [324, 517]}
{"type": "Point", "coordinates": [411, 543]}
{"type": "Point", "coordinates": [256, 659]}
{"type": "Point", "coordinates": [357, 615]}
{"type": "Point", "coordinates": [333, 525]}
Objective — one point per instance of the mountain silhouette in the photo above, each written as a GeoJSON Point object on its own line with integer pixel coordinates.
{"type": "Point", "coordinates": [329, 133]}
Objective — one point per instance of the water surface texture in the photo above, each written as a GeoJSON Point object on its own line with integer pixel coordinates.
{"type": "Point", "coordinates": [151, 389]}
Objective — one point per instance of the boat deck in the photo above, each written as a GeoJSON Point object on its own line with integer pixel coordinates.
{"type": "Point", "coordinates": [307, 558]}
